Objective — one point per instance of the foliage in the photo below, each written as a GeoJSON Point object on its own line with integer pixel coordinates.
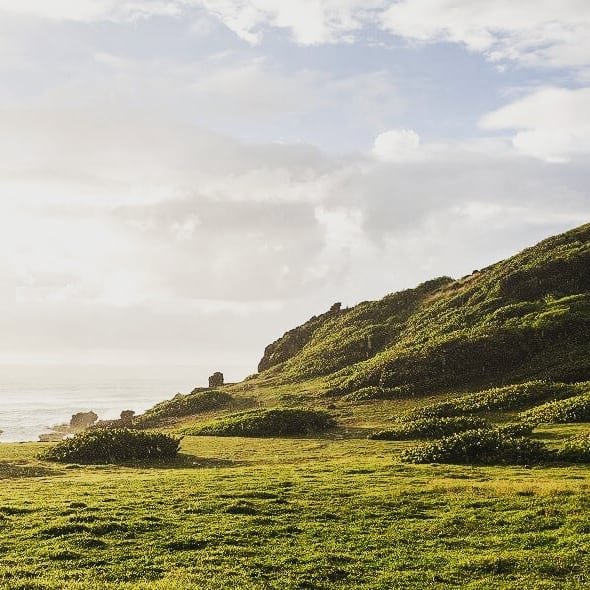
{"type": "Point", "coordinates": [372, 393]}
{"type": "Point", "coordinates": [479, 447]}
{"type": "Point", "coordinates": [576, 449]}
{"type": "Point", "coordinates": [113, 446]}
{"type": "Point", "coordinates": [430, 428]}
{"type": "Point", "coordinates": [501, 398]}
{"type": "Point", "coordinates": [516, 429]}
{"type": "Point", "coordinates": [333, 341]}
{"type": "Point", "coordinates": [574, 409]}
{"type": "Point", "coordinates": [267, 422]}
{"type": "Point", "coordinates": [180, 405]}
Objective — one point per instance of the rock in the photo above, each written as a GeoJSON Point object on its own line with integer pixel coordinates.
{"type": "Point", "coordinates": [127, 418]}
{"type": "Point", "coordinates": [216, 380]}
{"type": "Point", "coordinates": [83, 420]}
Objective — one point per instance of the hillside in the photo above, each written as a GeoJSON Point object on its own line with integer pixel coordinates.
{"type": "Point", "coordinates": [444, 443]}
{"type": "Point", "coordinates": [524, 318]}
{"type": "Point", "coordinates": [509, 337]}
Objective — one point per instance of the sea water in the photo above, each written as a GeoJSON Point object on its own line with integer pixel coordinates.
{"type": "Point", "coordinates": [35, 398]}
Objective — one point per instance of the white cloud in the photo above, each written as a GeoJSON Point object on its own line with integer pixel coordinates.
{"type": "Point", "coordinates": [311, 22]}
{"type": "Point", "coordinates": [552, 124]}
{"type": "Point", "coordinates": [397, 145]}
{"type": "Point", "coordinates": [533, 32]}
{"type": "Point", "coordinates": [91, 10]}
{"type": "Point", "coordinates": [145, 204]}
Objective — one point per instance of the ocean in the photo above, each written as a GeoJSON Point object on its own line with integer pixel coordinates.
{"type": "Point", "coordinates": [35, 398]}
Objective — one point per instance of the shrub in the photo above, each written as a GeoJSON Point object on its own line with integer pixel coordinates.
{"type": "Point", "coordinates": [575, 409]}
{"type": "Point", "coordinates": [430, 428]}
{"type": "Point", "coordinates": [479, 447]}
{"type": "Point", "coordinates": [500, 398]}
{"type": "Point", "coordinates": [113, 446]}
{"type": "Point", "coordinates": [576, 449]}
{"type": "Point", "coordinates": [516, 429]}
{"type": "Point", "coordinates": [180, 405]}
{"type": "Point", "coordinates": [268, 422]}
{"type": "Point", "coordinates": [374, 393]}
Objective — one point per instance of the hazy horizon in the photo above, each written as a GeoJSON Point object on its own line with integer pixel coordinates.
{"type": "Point", "coordinates": [183, 181]}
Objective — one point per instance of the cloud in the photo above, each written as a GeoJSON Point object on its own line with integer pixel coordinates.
{"type": "Point", "coordinates": [310, 22]}
{"type": "Point", "coordinates": [552, 124]}
{"type": "Point", "coordinates": [532, 33]}
{"type": "Point", "coordinates": [541, 34]}
{"type": "Point", "coordinates": [177, 202]}
{"type": "Point", "coordinates": [91, 10]}
{"type": "Point", "coordinates": [396, 145]}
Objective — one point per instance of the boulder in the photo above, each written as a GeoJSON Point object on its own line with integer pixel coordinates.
{"type": "Point", "coordinates": [83, 420]}
{"type": "Point", "coordinates": [216, 380]}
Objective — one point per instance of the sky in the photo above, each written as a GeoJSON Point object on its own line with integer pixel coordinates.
{"type": "Point", "coordinates": [182, 181]}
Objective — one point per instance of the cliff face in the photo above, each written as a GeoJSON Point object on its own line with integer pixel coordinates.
{"type": "Point", "coordinates": [292, 342]}
{"type": "Point", "coordinates": [528, 316]}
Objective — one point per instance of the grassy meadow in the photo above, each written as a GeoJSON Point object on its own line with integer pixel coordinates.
{"type": "Point", "coordinates": [292, 513]}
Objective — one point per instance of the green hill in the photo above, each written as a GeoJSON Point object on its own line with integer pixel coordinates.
{"type": "Point", "coordinates": [509, 337]}
{"type": "Point", "coordinates": [524, 318]}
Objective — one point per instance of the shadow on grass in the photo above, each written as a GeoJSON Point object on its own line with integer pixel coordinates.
{"type": "Point", "coordinates": [11, 470]}
{"type": "Point", "coordinates": [352, 432]}
{"type": "Point", "coordinates": [182, 461]}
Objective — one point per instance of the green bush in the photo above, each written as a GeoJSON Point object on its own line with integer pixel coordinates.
{"type": "Point", "coordinates": [479, 447]}
{"type": "Point", "coordinates": [499, 398]}
{"type": "Point", "coordinates": [268, 422]}
{"type": "Point", "coordinates": [576, 449]}
{"type": "Point", "coordinates": [516, 429]}
{"type": "Point", "coordinates": [197, 402]}
{"type": "Point", "coordinates": [375, 393]}
{"type": "Point", "coordinates": [113, 446]}
{"type": "Point", "coordinates": [430, 428]}
{"type": "Point", "coordinates": [575, 409]}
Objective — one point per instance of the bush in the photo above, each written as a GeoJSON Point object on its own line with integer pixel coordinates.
{"type": "Point", "coordinates": [516, 429]}
{"type": "Point", "coordinates": [576, 449]}
{"type": "Point", "coordinates": [479, 447]}
{"type": "Point", "coordinates": [430, 428]}
{"type": "Point", "coordinates": [270, 422]}
{"type": "Point", "coordinates": [113, 446]}
{"type": "Point", "coordinates": [575, 409]}
{"type": "Point", "coordinates": [500, 398]}
{"type": "Point", "coordinates": [375, 393]}
{"type": "Point", "coordinates": [180, 405]}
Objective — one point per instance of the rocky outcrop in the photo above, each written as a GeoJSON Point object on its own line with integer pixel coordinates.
{"type": "Point", "coordinates": [82, 420]}
{"type": "Point", "coordinates": [216, 380]}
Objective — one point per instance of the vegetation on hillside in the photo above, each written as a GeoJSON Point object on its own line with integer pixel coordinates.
{"type": "Point", "coordinates": [521, 319]}
{"type": "Point", "coordinates": [575, 409]}
{"type": "Point", "coordinates": [511, 397]}
{"type": "Point", "coordinates": [267, 422]}
{"type": "Point", "coordinates": [429, 428]}
{"type": "Point", "coordinates": [485, 446]}
{"type": "Point", "coordinates": [197, 402]}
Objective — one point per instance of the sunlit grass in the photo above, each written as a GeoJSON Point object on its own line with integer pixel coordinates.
{"type": "Point", "coordinates": [307, 513]}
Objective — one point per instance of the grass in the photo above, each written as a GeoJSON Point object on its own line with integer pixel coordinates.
{"type": "Point", "coordinates": [308, 513]}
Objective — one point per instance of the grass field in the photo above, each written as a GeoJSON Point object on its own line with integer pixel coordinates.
{"type": "Point", "coordinates": [291, 514]}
